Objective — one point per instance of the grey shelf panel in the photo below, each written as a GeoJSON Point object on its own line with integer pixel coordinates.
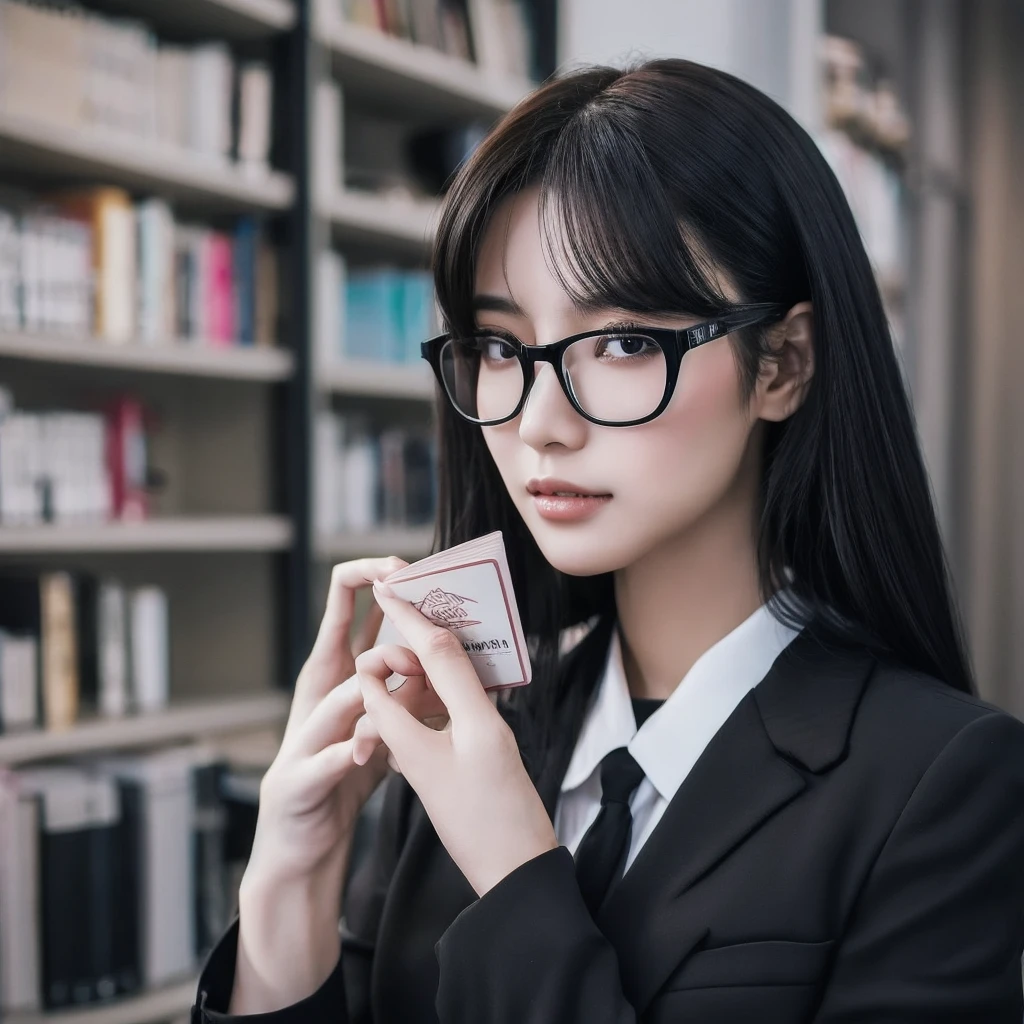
{"type": "Point", "coordinates": [382, 380]}
{"type": "Point", "coordinates": [229, 19]}
{"type": "Point", "coordinates": [178, 722]}
{"type": "Point", "coordinates": [182, 358]}
{"type": "Point", "coordinates": [422, 80]}
{"type": "Point", "coordinates": [381, 220]}
{"type": "Point", "coordinates": [210, 533]}
{"type": "Point", "coordinates": [410, 543]}
{"type": "Point", "coordinates": [30, 144]}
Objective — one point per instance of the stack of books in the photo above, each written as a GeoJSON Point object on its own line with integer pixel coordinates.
{"type": "Point", "coordinates": [74, 643]}
{"type": "Point", "coordinates": [370, 479]}
{"type": "Point", "coordinates": [380, 314]}
{"type": "Point", "coordinates": [67, 66]}
{"type": "Point", "coordinates": [78, 467]}
{"type": "Point", "coordinates": [96, 262]}
{"type": "Point", "coordinates": [117, 874]}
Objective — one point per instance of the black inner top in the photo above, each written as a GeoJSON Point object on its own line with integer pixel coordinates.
{"type": "Point", "coordinates": [644, 707]}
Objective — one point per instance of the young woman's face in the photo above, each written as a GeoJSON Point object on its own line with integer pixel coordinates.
{"type": "Point", "coordinates": [658, 480]}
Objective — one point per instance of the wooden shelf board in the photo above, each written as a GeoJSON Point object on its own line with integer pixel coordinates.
{"type": "Point", "coordinates": [207, 533]}
{"type": "Point", "coordinates": [184, 358]}
{"type": "Point", "coordinates": [231, 19]}
{"type": "Point", "coordinates": [178, 722]}
{"type": "Point", "coordinates": [155, 1007]}
{"type": "Point", "coordinates": [137, 163]}
{"type": "Point", "coordinates": [414, 542]}
{"type": "Point", "coordinates": [383, 380]}
{"type": "Point", "coordinates": [386, 69]}
{"type": "Point", "coordinates": [389, 220]}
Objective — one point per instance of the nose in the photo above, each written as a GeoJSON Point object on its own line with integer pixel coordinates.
{"type": "Point", "coordinates": [548, 416]}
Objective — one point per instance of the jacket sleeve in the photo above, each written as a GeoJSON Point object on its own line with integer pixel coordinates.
{"type": "Point", "coordinates": [938, 929]}
{"type": "Point", "coordinates": [528, 952]}
{"type": "Point", "coordinates": [344, 998]}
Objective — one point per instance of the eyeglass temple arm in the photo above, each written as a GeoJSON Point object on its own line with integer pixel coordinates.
{"type": "Point", "coordinates": [701, 334]}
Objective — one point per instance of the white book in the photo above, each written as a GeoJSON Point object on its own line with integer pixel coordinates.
{"type": "Point", "coordinates": [328, 509]}
{"type": "Point", "coordinates": [150, 648]}
{"type": "Point", "coordinates": [359, 479]}
{"type": "Point", "coordinates": [255, 99]}
{"type": "Point", "coordinates": [330, 314]}
{"type": "Point", "coordinates": [113, 668]}
{"type": "Point", "coordinates": [167, 883]}
{"type": "Point", "coordinates": [20, 914]}
{"type": "Point", "coordinates": [328, 141]}
{"type": "Point", "coordinates": [19, 681]}
{"type": "Point", "coordinates": [155, 271]}
{"type": "Point", "coordinates": [172, 95]}
{"type": "Point", "coordinates": [10, 266]}
{"type": "Point", "coordinates": [210, 94]}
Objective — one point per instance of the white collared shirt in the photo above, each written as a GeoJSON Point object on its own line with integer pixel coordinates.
{"type": "Point", "coordinates": [669, 743]}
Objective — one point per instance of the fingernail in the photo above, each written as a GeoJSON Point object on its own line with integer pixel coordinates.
{"type": "Point", "coordinates": [382, 588]}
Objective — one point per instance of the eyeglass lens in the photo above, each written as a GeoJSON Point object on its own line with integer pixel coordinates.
{"type": "Point", "coordinates": [617, 377]}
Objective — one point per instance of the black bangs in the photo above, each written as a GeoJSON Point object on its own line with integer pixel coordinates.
{"type": "Point", "coordinates": [612, 231]}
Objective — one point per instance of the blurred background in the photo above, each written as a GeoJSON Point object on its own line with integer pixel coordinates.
{"type": "Point", "coordinates": [214, 224]}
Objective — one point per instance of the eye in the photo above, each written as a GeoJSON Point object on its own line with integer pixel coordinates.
{"type": "Point", "coordinates": [496, 350]}
{"type": "Point", "coordinates": [625, 346]}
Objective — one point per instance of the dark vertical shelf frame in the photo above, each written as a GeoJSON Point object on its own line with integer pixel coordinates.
{"type": "Point", "coordinates": [295, 458]}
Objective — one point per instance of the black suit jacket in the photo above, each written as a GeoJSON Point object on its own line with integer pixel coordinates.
{"type": "Point", "coordinates": [848, 848]}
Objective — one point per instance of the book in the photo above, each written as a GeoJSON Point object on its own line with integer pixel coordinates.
{"type": "Point", "coordinates": [468, 590]}
{"type": "Point", "coordinates": [20, 933]}
{"type": "Point", "coordinates": [111, 217]}
{"type": "Point", "coordinates": [150, 648]}
{"type": "Point", "coordinates": [19, 681]}
{"type": "Point", "coordinates": [255, 105]}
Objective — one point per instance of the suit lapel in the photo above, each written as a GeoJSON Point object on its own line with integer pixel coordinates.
{"type": "Point", "coordinates": [796, 720]}
{"type": "Point", "coordinates": [737, 784]}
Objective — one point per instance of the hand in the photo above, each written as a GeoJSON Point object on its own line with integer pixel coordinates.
{"type": "Point", "coordinates": [469, 776]}
{"type": "Point", "coordinates": [313, 791]}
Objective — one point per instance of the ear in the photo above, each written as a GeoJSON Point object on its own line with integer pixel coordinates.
{"type": "Point", "coordinates": [784, 378]}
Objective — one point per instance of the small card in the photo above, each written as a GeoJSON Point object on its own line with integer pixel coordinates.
{"type": "Point", "coordinates": [468, 589]}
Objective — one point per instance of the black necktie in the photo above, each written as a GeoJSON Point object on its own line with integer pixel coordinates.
{"type": "Point", "coordinates": [603, 849]}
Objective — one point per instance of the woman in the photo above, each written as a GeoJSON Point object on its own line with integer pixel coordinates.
{"type": "Point", "coordinates": [760, 787]}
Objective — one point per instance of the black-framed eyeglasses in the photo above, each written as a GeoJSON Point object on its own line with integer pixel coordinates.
{"type": "Point", "coordinates": [612, 377]}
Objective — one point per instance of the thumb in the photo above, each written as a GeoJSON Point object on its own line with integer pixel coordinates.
{"type": "Point", "coordinates": [409, 742]}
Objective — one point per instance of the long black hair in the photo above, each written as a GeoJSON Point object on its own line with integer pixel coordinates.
{"type": "Point", "coordinates": [650, 177]}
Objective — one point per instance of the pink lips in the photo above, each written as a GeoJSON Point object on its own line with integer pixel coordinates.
{"type": "Point", "coordinates": [573, 504]}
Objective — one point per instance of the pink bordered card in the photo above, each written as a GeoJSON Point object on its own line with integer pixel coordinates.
{"type": "Point", "coordinates": [468, 590]}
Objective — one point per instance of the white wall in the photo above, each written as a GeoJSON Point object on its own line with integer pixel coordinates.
{"type": "Point", "coordinates": [770, 43]}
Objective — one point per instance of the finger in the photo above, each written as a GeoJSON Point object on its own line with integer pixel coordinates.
{"type": "Point", "coordinates": [385, 659]}
{"type": "Point", "coordinates": [417, 697]}
{"type": "Point", "coordinates": [410, 742]}
{"type": "Point", "coordinates": [331, 720]}
{"type": "Point", "coordinates": [319, 774]}
{"type": "Point", "coordinates": [440, 653]}
{"type": "Point", "coordinates": [368, 630]}
{"type": "Point", "coordinates": [346, 578]}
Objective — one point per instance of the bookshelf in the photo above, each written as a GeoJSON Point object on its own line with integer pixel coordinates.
{"type": "Point", "coordinates": [418, 79]}
{"type": "Point", "coordinates": [399, 222]}
{"type": "Point", "coordinates": [209, 533]}
{"type": "Point", "coordinates": [231, 537]}
{"type": "Point", "coordinates": [410, 543]}
{"type": "Point", "coordinates": [363, 377]}
{"type": "Point", "coordinates": [36, 147]}
{"type": "Point", "coordinates": [181, 721]}
{"type": "Point", "coordinates": [229, 19]}
{"type": "Point", "coordinates": [152, 1008]}
{"type": "Point", "coordinates": [184, 359]}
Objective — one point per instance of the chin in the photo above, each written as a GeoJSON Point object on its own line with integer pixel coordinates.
{"type": "Point", "coordinates": [578, 552]}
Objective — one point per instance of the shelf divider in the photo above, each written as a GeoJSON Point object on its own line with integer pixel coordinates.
{"type": "Point", "coordinates": [192, 359]}
{"type": "Point", "coordinates": [181, 721]}
{"type": "Point", "coordinates": [184, 533]}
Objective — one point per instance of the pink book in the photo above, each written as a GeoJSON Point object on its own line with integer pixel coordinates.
{"type": "Point", "coordinates": [220, 291]}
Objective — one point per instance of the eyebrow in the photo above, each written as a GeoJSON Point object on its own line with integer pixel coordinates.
{"type": "Point", "coordinates": [496, 304]}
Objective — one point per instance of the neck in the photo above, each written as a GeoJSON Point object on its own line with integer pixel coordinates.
{"type": "Point", "coordinates": [684, 596]}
